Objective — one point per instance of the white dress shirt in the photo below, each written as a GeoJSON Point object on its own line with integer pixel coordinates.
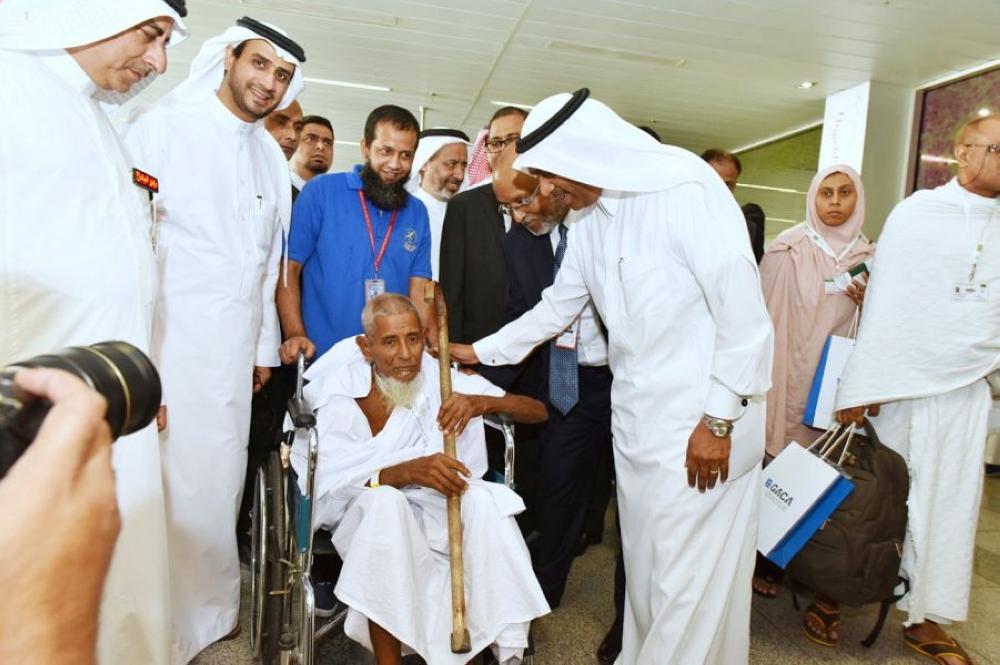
{"type": "Point", "coordinates": [591, 345]}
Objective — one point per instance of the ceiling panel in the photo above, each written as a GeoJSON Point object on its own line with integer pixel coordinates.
{"type": "Point", "coordinates": [709, 72]}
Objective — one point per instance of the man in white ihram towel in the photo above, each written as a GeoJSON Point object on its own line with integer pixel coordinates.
{"type": "Point", "coordinates": [662, 248]}
{"type": "Point", "coordinates": [929, 337]}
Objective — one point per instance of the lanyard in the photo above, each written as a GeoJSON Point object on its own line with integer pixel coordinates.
{"type": "Point", "coordinates": [371, 231]}
{"type": "Point", "coordinates": [825, 246]}
{"type": "Point", "coordinates": [978, 254]}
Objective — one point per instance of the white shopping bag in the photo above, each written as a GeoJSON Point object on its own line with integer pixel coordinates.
{"type": "Point", "coordinates": [800, 492]}
{"type": "Point", "coordinates": [823, 392]}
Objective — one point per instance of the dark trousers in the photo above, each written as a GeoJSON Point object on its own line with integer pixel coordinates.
{"type": "Point", "coordinates": [267, 417]}
{"type": "Point", "coordinates": [572, 448]}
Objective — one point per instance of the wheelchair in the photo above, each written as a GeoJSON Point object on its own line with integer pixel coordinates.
{"type": "Point", "coordinates": [283, 622]}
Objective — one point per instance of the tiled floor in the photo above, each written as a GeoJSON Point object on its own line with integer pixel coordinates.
{"type": "Point", "coordinates": [571, 635]}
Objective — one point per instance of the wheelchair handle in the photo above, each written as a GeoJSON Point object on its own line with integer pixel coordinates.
{"type": "Point", "coordinates": [300, 368]}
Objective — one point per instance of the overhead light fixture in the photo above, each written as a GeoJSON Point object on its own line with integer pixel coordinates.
{"type": "Point", "coordinates": [783, 190]}
{"type": "Point", "coordinates": [354, 143]}
{"type": "Point", "coordinates": [982, 113]}
{"type": "Point", "coordinates": [937, 160]}
{"type": "Point", "coordinates": [347, 84]}
{"type": "Point", "coordinates": [805, 85]}
{"type": "Point", "coordinates": [614, 53]}
{"type": "Point", "coordinates": [526, 107]}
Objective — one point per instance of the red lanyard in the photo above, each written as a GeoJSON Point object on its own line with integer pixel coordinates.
{"type": "Point", "coordinates": [371, 231]}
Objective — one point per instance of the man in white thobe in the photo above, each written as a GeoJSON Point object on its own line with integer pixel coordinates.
{"type": "Point", "coordinates": [225, 195]}
{"type": "Point", "coordinates": [929, 337]}
{"type": "Point", "coordinates": [437, 175]}
{"type": "Point", "coordinates": [662, 249]}
{"type": "Point", "coordinates": [381, 486]}
{"type": "Point", "coordinates": [76, 264]}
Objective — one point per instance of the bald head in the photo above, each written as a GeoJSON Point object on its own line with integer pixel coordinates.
{"type": "Point", "coordinates": [520, 192]}
{"type": "Point", "coordinates": [510, 185]}
{"type": "Point", "coordinates": [977, 151]}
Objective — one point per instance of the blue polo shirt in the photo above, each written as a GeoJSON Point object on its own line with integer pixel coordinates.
{"type": "Point", "coordinates": [330, 239]}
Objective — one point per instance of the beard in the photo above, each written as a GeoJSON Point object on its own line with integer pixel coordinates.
{"type": "Point", "coordinates": [398, 393]}
{"type": "Point", "coordinates": [545, 228]}
{"type": "Point", "coordinates": [386, 195]}
{"type": "Point", "coordinates": [244, 100]}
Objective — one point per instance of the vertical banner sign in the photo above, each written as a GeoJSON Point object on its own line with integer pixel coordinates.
{"type": "Point", "coordinates": [844, 124]}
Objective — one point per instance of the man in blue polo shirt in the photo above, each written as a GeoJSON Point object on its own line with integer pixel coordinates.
{"type": "Point", "coordinates": [355, 235]}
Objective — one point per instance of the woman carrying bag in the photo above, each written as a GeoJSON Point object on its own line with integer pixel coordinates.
{"type": "Point", "coordinates": [810, 295]}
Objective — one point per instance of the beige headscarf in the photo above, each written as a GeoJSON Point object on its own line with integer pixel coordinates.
{"type": "Point", "coordinates": [793, 274]}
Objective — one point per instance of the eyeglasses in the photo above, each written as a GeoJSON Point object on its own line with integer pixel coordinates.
{"type": "Point", "coordinates": [991, 148]}
{"type": "Point", "coordinates": [509, 208]}
{"type": "Point", "coordinates": [493, 146]}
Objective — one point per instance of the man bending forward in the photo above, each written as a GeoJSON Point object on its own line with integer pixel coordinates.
{"type": "Point", "coordinates": [381, 484]}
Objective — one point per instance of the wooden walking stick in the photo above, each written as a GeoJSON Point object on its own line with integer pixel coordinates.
{"type": "Point", "coordinates": [460, 640]}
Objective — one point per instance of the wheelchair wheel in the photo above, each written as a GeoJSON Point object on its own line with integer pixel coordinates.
{"type": "Point", "coordinates": [268, 573]}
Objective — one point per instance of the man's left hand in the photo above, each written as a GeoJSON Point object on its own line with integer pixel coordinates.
{"type": "Point", "coordinates": [456, 413]}
{"type": "Point", "coordinates": [261, 375]}
{"type": "Point", "coordinates": [707, 458]}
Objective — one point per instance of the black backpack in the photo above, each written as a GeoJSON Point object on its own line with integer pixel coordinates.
{"type": "Point", "coordinates": [854, 558]}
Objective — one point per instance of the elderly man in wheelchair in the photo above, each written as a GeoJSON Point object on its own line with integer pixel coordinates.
{"type": "Point", "coordinates": [381, 482]}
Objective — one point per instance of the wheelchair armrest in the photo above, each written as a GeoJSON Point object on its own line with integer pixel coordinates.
{"type": "Point", "coordinates": [504, 423]}
{"type": "Point", "coordinates": [301, 413]}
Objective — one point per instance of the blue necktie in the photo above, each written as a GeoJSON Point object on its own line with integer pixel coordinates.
{"type": "Point", "coordinates": [564, 389]}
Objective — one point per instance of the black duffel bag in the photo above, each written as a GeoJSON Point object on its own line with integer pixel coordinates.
{"type": "Point", "coordinates": [854, 558]}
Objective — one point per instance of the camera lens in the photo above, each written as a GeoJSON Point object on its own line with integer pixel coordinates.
{"type": "Point", "coordinates": [120, 372]}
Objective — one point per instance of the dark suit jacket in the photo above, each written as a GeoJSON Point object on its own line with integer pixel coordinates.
{"type": "Point", "coordinates": [530, 270]}
{"type": "Point", "coordinates": [755, 217]}
{"type": "Point", "coordinates": [472, 272]}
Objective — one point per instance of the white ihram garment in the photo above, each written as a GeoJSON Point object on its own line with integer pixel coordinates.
{"type": "Point", "coordinates": [224, 191]}
{"type": "Point", "coordinates": [925, 356]}
{"type": "Point", "coordinates": [394, 542]}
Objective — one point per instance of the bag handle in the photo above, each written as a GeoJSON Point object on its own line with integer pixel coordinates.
{"type": "Point", "coordinates": [855, 322]}
{"type": "Point", "coordinates": [825, 436]}
{"type": "Point", "coordinates": [845, 439]}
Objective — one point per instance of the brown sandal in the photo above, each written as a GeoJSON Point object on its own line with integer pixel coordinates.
{"type": "Point", "coordinates": [937, 649]}
{"type": "Point", "coordinates": [829, 618]}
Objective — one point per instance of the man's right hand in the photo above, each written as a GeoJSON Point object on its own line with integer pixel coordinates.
{"type": "Point", "coordinates": [58, 517]}
{"type": "Point", "coordinates": [438, 472]}
{"type": "Point", "coordinates": [289, 351]}
{"type": "Point", "coordinates": [463, 353]}
{"type": "Point", "coordinates": [855, 415]}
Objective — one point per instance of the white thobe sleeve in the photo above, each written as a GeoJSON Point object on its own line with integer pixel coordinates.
{"type": "Point", "coordinates": [270, 332]}
{"type": "Point", "coordinates": [718, 253]}
{"type": "Point", "coordinates": [560, 304]}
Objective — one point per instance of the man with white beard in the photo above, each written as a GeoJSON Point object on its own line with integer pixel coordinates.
{"type": "Point", "coordinates": [663, 251]}
{"type": "Point", "coordinates": [381, 485]}
{"type": "Point", "coordinates": [77, 264]}
{"type": "Point", "coordinates": [928, 340]}
{"type": "Point", "coordinates": [437, 174]}
{"type": "Point", "coordinates": [225, 199]}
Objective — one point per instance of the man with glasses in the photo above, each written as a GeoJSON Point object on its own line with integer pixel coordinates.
{"type": "Point", "coordinates": [574, 381]}
{"type": "Point", "coordinates": [929, 338]}
{"type": "Point", "coordinates": [473, 275]}
{"type": "Point", "coordinates": [315, 152]}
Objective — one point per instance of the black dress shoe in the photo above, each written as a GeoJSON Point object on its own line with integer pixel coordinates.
{"type": "Point", "coordinates": [611, 646]}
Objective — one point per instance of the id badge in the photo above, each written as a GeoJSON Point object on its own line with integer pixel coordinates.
{"type": "Point", "coordinates": [832, 287]}
{"type": "Point", "coordinates": [374, 287]}
{"type": "Point", "coordinates": [567, 338]}
{"type": "Point", "coordinates": [971, 291]}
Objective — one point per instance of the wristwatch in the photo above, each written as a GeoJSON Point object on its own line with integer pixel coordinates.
{"type": "Point", "coordinates": [717, 426]}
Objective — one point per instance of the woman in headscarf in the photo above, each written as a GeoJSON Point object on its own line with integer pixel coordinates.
{"type": "Point", "coordinates": [810, 295]}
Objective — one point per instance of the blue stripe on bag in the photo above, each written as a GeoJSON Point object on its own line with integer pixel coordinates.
{"type": "Point", "coordinates": [817, 384]}
{"type": "Point", "coordinates": [810, 522]}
